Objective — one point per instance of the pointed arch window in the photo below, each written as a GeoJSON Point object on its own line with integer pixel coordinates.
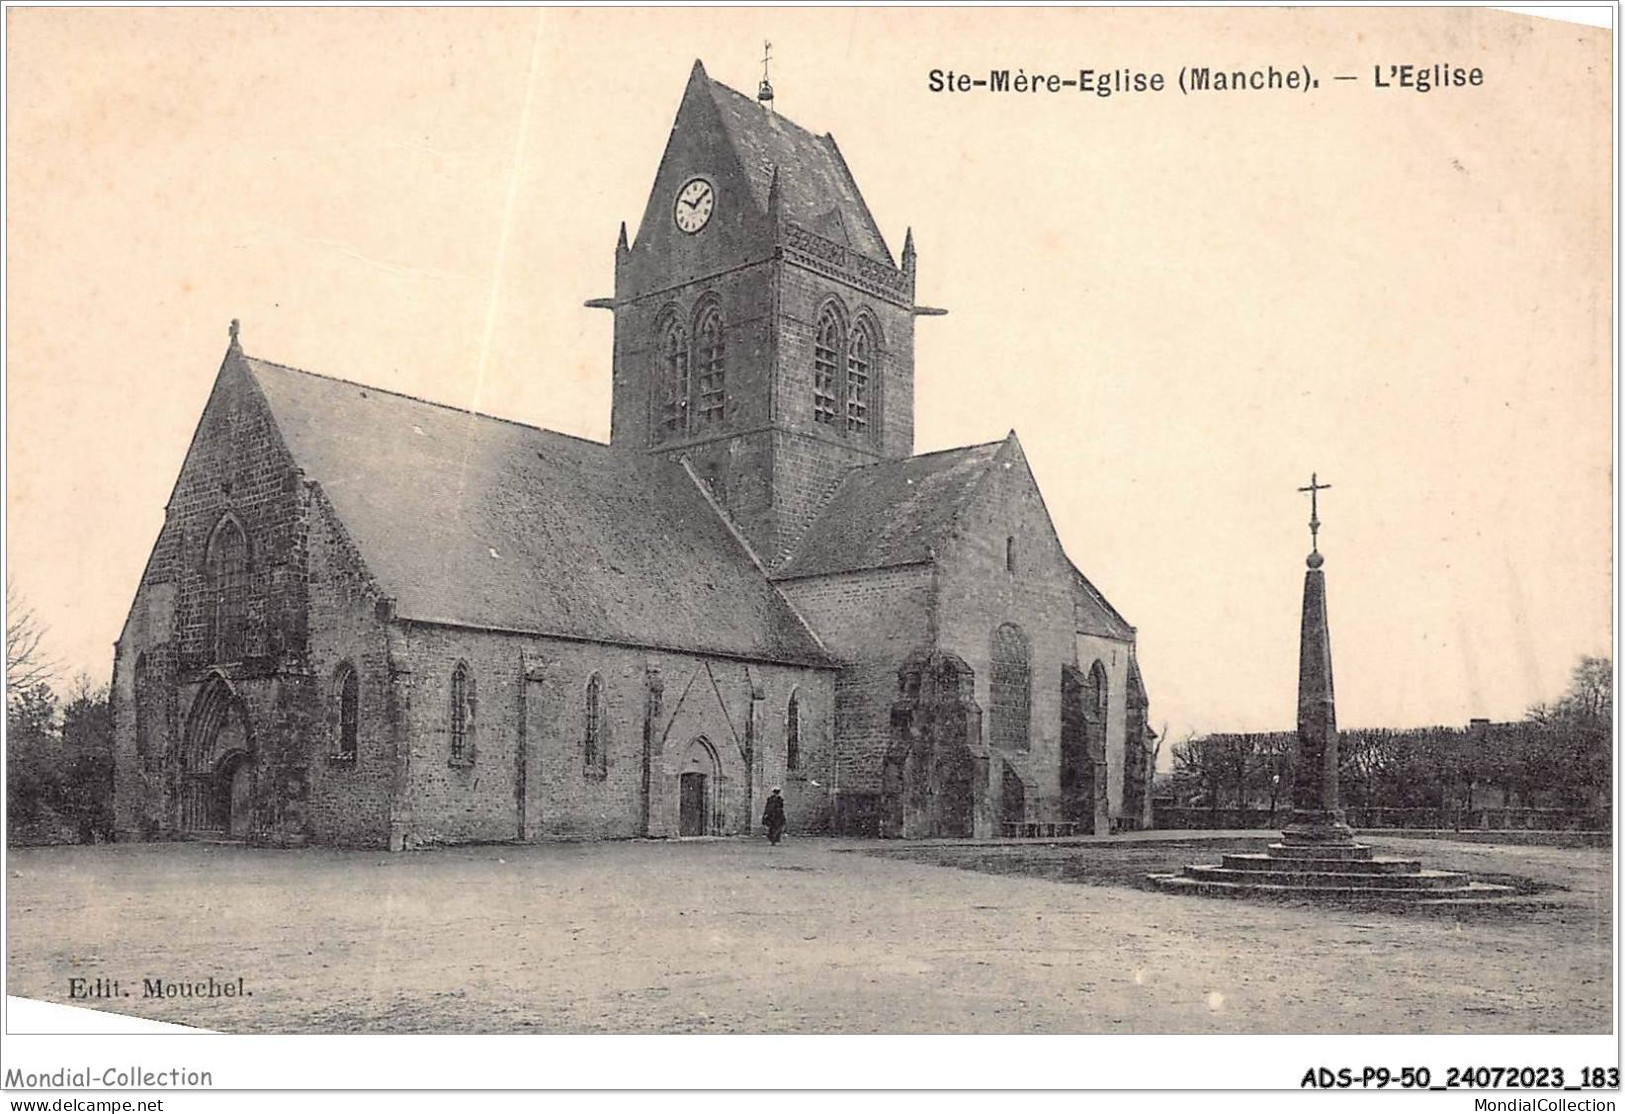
{"type": "Point", "coordinates": [672, 380]}
{"type": "Point", "coordinates": [1097, 695]}
{"type": "Point", "coordinates": [346, 713]}
{"type": "Point", "coordinates": [710, 366]}
{"type": "Point", "coordinates": [792, 733]}
{"type": "Point", "coordinates": [227, 564]}
{"type": "Point", "coordinates": [860, 362]}
{"type": "Point", "coordinates": [827, 347]}
{"type": "Point", "coordinates": [1010, 689]}
{"type": "Point", "coordinates": [460, 728]}
{"type": "Point", "coordinates": [595, 760]}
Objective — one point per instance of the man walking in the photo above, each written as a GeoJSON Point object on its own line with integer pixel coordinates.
{"type": "Point", "coordinates": [773, 816]}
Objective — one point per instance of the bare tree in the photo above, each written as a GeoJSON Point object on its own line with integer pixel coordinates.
{"type": "Point", "coordinates": [27, 664]}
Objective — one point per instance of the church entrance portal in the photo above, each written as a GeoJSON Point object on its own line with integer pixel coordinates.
{"type": "Point", "coordinates": [699, 790]}
{"type": "Point", "coordinates": [691, 815]}
{"type": "Point", "coordinates": [217, 766]}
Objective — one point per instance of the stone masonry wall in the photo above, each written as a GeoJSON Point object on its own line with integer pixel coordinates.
{"type": "Point", "coordinates": [979, 592]}
{"type": "Point", "coordinates": [236, 466]}
{"type": "Point", "coordinates": [529, 777]}
{"type": "Point", "coordinates": [350, 799]}
{"type": "Point", "coordinates": [871, 621]}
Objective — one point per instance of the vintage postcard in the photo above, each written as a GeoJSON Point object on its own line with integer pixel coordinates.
{"type": "Point", "coordinates": [549, 522]}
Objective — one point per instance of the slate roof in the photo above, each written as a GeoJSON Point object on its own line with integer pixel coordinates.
{"type": "Point", "coordinates": [1094, 614]}
{"type": "Point", "coordinates": [816, 189]}
{"type": "Point", "coordinates": [895, 512]}
{"type": "Point", "coordinates": [483, 522]}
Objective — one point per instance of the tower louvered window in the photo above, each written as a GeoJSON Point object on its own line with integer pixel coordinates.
{"type": "Point", "coordinates": [859, 362]}
{"type": "Point", "coordinates": [826, 366]}
{"type": "Point", "coordinates": [710, 359]}
{"type": "Point", "coordinates": [673, 380]}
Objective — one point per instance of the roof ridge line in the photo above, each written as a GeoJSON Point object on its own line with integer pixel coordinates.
{"type": "Point", "coordinates": [744, 543]}
{"type": "Point", "coordinates": [922, 456]}
{"type": "Point", "coordinates": [423, 401]}
{"type": "Point", "coordinates": [726, 88]}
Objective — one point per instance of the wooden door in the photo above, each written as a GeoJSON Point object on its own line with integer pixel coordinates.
{"type": "Point", "coordinates": [691, 814]}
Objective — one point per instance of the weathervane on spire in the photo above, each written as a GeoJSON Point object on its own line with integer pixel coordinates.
{"type": "Point", "coordinates": [1314, 489]}
{"type": "Point", "coordinates": [764, 92]}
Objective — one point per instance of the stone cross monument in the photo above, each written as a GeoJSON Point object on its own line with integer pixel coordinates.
{"type": "Point", "coordinates": [1317, 856]}
{"type": "Point", "coordinates": [1317, 815]}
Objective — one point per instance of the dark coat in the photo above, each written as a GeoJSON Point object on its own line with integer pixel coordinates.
{"type": "Point", "coordinates": [773, 814]}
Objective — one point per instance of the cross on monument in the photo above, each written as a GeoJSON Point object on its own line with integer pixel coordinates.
{"type": "Point", "coordinates": [1314, 489]}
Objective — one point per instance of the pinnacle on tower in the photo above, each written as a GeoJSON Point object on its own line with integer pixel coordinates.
{"type": "Point", "coordinates": [775, 197]}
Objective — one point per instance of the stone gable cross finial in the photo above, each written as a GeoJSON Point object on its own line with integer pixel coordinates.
{"type": "Point", "coordinates": [236, 327]}
{"type": "Point", "coordinates": [1314, 489]}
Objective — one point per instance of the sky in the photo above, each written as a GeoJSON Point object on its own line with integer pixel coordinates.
{"type": "Point", "coordinates": [1184, 305]}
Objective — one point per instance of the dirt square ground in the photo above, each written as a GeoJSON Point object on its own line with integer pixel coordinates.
{"type": "Point", "coordinates": [810, 936]}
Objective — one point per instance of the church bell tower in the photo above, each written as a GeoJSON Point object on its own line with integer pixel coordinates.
{"type": "Point", "coordinates": [763, 332]}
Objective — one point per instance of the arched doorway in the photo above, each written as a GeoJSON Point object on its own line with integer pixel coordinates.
{"type": "Point", "coordinates": [217, 765]}
{"type": "Point", "coordinates": [699, 782]}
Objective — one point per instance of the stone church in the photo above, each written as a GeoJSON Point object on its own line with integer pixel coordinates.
{"type": "Point", "coordinates": [371, 620]}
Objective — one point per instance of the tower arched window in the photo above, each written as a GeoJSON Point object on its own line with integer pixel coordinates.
{"type": "Point", "coordinates": [828, 344]}
{"type": "Point", "coordinates": [460, 727]}
{"type": "Point", "coordinates": [1010, 689]}
{"type": "Point", "coordinates": [792, 733]}
{"type": "Point", "coordinates": [227, 565]}
{"type": "Point", "coordinates": [347, 712]}
{"type": "Point", "coordinates": [672, 380]}
{"type": "Point", "coordinates": [710, 366]}
{"type": "Point", "coordinates": [860, 362]}
{"type": "Point", "coordinates": [595, 760]}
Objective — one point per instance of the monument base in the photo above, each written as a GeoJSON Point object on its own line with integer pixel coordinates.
{"type": "Point", "coordinates": [1318, 827]}
{"type": "Point", "coordinates": [1326, 867]}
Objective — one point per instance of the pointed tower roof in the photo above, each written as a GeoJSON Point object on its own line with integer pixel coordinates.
{"type": "Point", "coordinates": [813, 179]}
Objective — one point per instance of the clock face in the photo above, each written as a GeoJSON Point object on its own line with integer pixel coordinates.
{"type": "Point", "coordinates": [693, 205]}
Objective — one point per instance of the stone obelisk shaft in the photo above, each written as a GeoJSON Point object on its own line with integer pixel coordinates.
{"type": "Point", "coordinates": [1317, 815]}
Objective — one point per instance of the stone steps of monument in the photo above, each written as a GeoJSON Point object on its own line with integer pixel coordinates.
{"type": "Point", "coordinates": [1344, 851]}
{"type": "Point", "coordinates": [1465, 894]}
{"type": "Point", "coordinates": [1329, 866]}
{"type": "Point", "coordinates": [1318, 880]}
